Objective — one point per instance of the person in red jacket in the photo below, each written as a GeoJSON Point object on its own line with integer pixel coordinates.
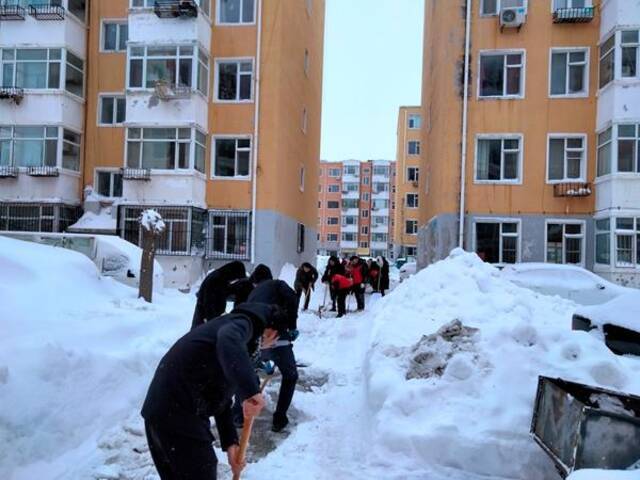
{"type": "Point", "coordinates": [359, 274]}
{"type": "Point", "coordinates": [341, 285]}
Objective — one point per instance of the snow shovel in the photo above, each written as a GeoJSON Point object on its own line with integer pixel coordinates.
{"type": "Point", "coordinates": [246, 430]}
{"type": "Point", "coordinates": [324, 302]}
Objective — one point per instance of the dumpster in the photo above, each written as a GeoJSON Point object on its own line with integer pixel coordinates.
{"type": "Point", "coordinates": [581, 426]}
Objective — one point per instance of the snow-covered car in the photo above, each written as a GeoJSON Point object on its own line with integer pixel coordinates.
{"type": "Point", "coordinates": [407, 270]}
{"type": "Point", "coordinates": [618, 320]}
{"type": "Point", "coordinates": [567, 281]}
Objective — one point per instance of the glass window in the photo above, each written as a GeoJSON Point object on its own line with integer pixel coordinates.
{"type": "Point", "coordinates": [411, 227]}
{"type": "Point", "coordinates": [412, 200]}
{"type": "Point", "coordinates": [627, 241]}
{"type": "Point", "coordinates": [232, 157]}
{"type": "Point", "coordinates": [604, 152]}
{"type": "Point", "coordinates": [78, 9]}
{"type": "Point", "coordinates": [109, 183]}
{"type": "Point", "coordinates": [29, 146]}
{"type": "Point", "coordinates": [497, 242]}
{"type": "Point", "coordinates": [203, 72]}
{"type": "Point", "coordinates": [333, 188]}
{"type": "Point", "coordinates": [230, 234]}
{"type": "Point", "coordinates": [332, 220]}
{"type": "Point", "coordinates": [235, 80]}
{"type": "Point", "coordinates": [501, 74]}
{"type": "Point", "coordinates": [498, 159]}
{"type": "Point", "coordinates": [236, 11]}
{"type": "Point", "coordinates": [414, 121]}
{"type": "Point", "coordinates": [569, 72]}
{"type": "Point", "coordinates": [565, 243]}
{"type": "Point", "coordinates": [566, 158]}
{"type": "Point", "coordinates": [603, 243]}
{"type": "Point", "coordinates": [413, 174]}
{"type": "Point", "coordinates": [114, 36]}
{"type": "Point", "coordinates": [489, 7]}
{"type": "Point", "coordinates": [333, 204]}
{"type": "Point", "coordinates": [164, 148]}
{"type": "Point", "coordinates": [413, 147]}
{"type": "Point", "coordinates": [607, 60]}
{"type": "Point", "coordinates": [629, 43]}
{"type": "Point", "coordinates": [112, 110]}
{"type": "Point", "coordinates": [163, 63]}
{"type": "Point", "coordinates": [31, 68]}
{"type": "Point", "coordinates": [74, 75]}
{"type": "Point", "coordinates": [70, 150]}
{"type": "Point", "coordinates": [628, 148]}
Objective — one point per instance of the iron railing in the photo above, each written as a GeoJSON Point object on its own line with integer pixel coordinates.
{"type": "Point", "coordinates": [142, 174]}
{"type": "Point", "coordinates": [38, 217]}
{"type": "Point", "coordinates": [572, 189]}
{"type": "Point", "coordinates": [573, 15]}
{"type": "Point", "coordinates": [176, 8]}
{"type": "Point", "coordinates": [12, 12]}
{"type": "Point", "coordinates": [43, 171]}
{"type": "Point", "coordinates": [229, 235]}
{"type": "Point", "coordinates": [46, 11]}
{"type": "Point", "coordinates": [8, 171]}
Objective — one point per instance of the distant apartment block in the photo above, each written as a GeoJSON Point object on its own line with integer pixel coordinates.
{"type": "Point", "coordinates": [354, 208]}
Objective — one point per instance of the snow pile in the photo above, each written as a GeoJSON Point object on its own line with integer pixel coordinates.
{"type": "Point", "coordinates": [623, 311]}
{"type": "Point", "coordinates": [77, 355]}
{"type": "Point", "coordinates": [441, 393]}
{"type": "Point", "coordinates": [152, 221]}
{"type": "Point", "coordinates": [89, 221]}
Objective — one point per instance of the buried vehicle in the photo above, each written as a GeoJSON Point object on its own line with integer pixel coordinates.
{"type": "Point", "coordinates": [618, 320]}
{"type": "Point", "coordinates": [567, 281]}
{"type": "Point", "coordinates": [407, 270]}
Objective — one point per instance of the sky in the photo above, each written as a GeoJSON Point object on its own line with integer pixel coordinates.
{"type": "Point", "coordinates": [372, 66]}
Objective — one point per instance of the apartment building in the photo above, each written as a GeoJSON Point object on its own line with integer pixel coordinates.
{"type": "Point", "coordinates": [509, 169]}
{"type": "Point", "coordinates": [354, 208]}
{"type": "Point", "coordinates": [407, 194]}
{"type": "Point", "coordinates": [207, 110]}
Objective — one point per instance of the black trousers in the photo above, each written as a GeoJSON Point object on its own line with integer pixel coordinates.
{"type": "Point", "coordinates": [358, 291]}
{"type": "Point", "coordinates": [307, 297]}
{"type": "Point", "coordinates": [177, 457]}
{"type": "Point", "coordinates": [341, 296]}
{"type": "Point", "coordinates": [334, 296]}
{"type": "Point", "coordinates": [285, 360]}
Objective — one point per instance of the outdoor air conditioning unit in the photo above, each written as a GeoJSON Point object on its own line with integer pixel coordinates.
{"type": "Point", "coordinates": [513, 17]}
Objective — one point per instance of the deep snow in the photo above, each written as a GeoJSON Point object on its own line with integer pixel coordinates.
{"type": "Point", "coordinates": [79, 351]}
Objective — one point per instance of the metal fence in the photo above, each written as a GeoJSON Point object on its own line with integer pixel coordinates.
{"type": "Point", "coordinates": [37, 217]}
{"type": "Point", "coordinates": [229, 234]}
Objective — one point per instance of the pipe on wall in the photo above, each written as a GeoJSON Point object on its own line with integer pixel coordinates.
{"type": "Point", "coordinates": [256, 132]}
{"type": "Point", "coordinates": [465, 108]}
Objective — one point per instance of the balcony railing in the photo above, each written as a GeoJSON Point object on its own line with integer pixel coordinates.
{"type": "Point", "coordinates": [140, 174]}
{"type": "Point", "coordinates": [12, 93]}
{"type": "Point", "coordinates": [572, 189]}
{"type": "Point", "coordinates": [45, 11]}
{"type": "Point", "coordinates": [165, 91]}
{"type": "Point", "coordinates": [573, 15]}
{"type": "Point", "coordinates": [8, 171]}
{"type": "Point", "coordinates": [43, 171]}
{"type": "Point", "coordinates": [176, 8]}
{"type": "Point", "coordinates": [12, 12]}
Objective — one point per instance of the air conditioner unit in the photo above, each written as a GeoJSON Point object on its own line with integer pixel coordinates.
{"type": "Point", "coordinates": [513, 17]}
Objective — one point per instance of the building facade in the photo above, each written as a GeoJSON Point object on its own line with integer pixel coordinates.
{"type": "Point", "coordinates": [513, 171]}
{"type": "Point", "coordinates": [207, 110]}
{"type": "Point", "coordinates": [354, 208]}
{"type": "Point", "coordinates": [407, 194]}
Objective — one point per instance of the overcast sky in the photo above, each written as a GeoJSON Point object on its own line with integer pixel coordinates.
{"type": "Point", "coordinates": [372, 65]}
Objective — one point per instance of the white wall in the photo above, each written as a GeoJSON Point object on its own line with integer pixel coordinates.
{"type": "Point", "coordinates": [619, 101]}
{"type": "Point", "coordinates": [146, 27]}
{"type": "Point", "coordinates": [144, 109]}
{"type": "Point", "coordinates": [618, 12]}
{"type": "Point", "coordinates": [69, 33]}
{"type": "Point", "coordinates": [65, 188]}
{"type": "Point", "coordinates": [167, 188]}
{"type": "Point", "coordinates": [621, 191]}
{"type": "Point", "coordinates": [43, 107]}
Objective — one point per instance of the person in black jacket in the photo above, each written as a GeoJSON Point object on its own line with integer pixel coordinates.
{"type": "Point", "coordinates": [305, 281]}
{"type": "Point", "coordinates": [241, 289]}
{"type": "Point", "coordinates": [196, 380]}
{"type": "Point", "coordinates": [384, 274]}
{"type": "Point", "coordinates": [374, 275]}
{"type": "Point", "coordinates": [334, 267]}
{"type": "Point", "coordinates": [279, 293]}
{"type": "Point", "coordinates": [214, 292]}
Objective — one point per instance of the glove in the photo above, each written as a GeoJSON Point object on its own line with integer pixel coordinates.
{"type": "Point", "coordinates": [267, 367]}
{"type": "Point", "coordinates": [293, 335]}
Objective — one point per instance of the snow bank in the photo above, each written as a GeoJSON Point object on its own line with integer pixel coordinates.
{"type": "Point", "coordinates": [103, 221]}
{"type": "Point", "coordinates": [473, 410]}
{"type": "Point", "coordinates": [623, 311]}
{"type": "Point", "coordinates": [77, 355]}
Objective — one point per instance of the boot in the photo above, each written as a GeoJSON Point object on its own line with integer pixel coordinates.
{"type": "Point", "coordinates": [279, 422]}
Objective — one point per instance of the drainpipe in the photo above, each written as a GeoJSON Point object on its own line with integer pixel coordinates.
{"type": "Point", "coordinates": [256, 143]}
{"type": "Point", "coordinates": [465, 108]}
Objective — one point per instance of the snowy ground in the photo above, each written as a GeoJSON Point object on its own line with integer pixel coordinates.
{"type": "Point", "coordinates": [79, 352]}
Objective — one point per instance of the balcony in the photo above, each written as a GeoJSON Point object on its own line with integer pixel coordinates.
{"type": "Point", "coordinates": [139, 174]}
{"type": "Point", "coordinates": [7, 171]}
{"type": "Point", "coordinates": [12, 12]}
{"type": "Point", "coordinates": [43, 171]}
{"type": "Point", "coordinates": [12, 93]}
{"type": "Point", "coordinates": [572, 189]}
{"type": "Point", "coordinates": [176, 9]}
{"type": "Point", "coordinates": [45, 11]}
{"type": "Point", "coordinates": [573, 15]}
{"type": "Point", "coordinates": [165, 91]}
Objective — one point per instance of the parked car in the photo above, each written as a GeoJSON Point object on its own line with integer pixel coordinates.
{"type": "Point", "coordinates": [567, 281]}
{"type": "Point", "coordinates": [617, 319]}
{"type": "Point", "coordinates": [407, 270]}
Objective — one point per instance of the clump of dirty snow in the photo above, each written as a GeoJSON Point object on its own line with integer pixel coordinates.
{"type": "Point", "coordinates": [466, 401]}
{"type": "Point", "coordinates": [152, 221]}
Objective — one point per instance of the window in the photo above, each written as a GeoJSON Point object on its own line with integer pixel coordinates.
{"type": "Point", "coordinates": [232, 157]}
{"type": "Point", "coordinates": [364, 230]}
{"type": "Point", "coordinates": [351, 170]}
{"type": "Point", "coordinates": [115, 36]}
{"type": "Point", "coordinates": [348, 237]}
{"type": "Point", "coordinates": [230, 234]}
{"type": "Point", "coordinates": [412, 200]}
{"type": "Point", "coordinates": [380, 221]}
{"type": "Point", "coordinates": [603, 242]}
{"type": "Point", "coordinates": [379, 187]}
{"type": "Point", "coordinates": [567, 159]}
{"type": "Point", "coordinates": [108, 183]}
{"type": "Point", "coordinates": [349, 220]}
{"type": "Point", "coordinates": [165, 148]}
{"type": "Point", "coordinates": [497, 242]}
{"type": "Point", "coordinates": [333, 188]}
{"type": "Point", "coordinates": [33, 146]}
{"type": "Point", "coordinates": [236, 11]}
{"type": "Point", "coordinates": [332, 237]}
{"type": "Point", "coordinates": [172, 64]}
{"type": "Point", "coordinates": [569, 72]}
{"type": "Point", "coordinates": [78, 9]}
{"type": "Point", "coordinates": [306, 61]}
{"type": "Point", "coordinates": [382, 170]}
{"type": "Point", "coordinates": [379, 237]}
{"type": "Point", "coordinates": [492, 7]}
{"type": "Point", "coordinates": [32, 68]}
{"type": "Point", "coordinates": [414, 121]}
{"type": "Point", "coordinates": [607, 60]}
{"type": "Point", "coordinates": [559, 4]}
{"type": "Point", "coordinates": [334, 172]}
{"type": "Point", "coordinates": [629, 43]}
{"type": "Point", "coordinates": [413, 174]}
{"type": "Point", "coordinates": [332, 221]}
{"type": "Point", "coordinates": [628, 148]}
{"type": "Point", "coordinates": [365, 213]}
{"type": "Point", "coordinates": [301, 185]}
{"type": "Point", "coordinates": [565, 243]}
{"type": "Point", "coordinates": [350, 187]}
{"type": "Point", "coordinates": [234, 80]}
{"type": "Point", "coordinates": [70, 150]}
{"type": "Point", "coordinates": [364, 244]}
{"type": "Point", "coordinates": [501, 74]}
{"type": "Point", "coordinates": [604, 152]}
{"type": "Point", "coordinates": [305, 119]}
{"type": "Point", "coordinates": [203, 72]}
{"type": "Point", "coordinates": [411, 227]}
{"type": "Point", "coordinates": [365, 197]}
{"type": "Point", "coordinates": [410, 251]}
{"type": "Point", "coordinates": [379, 204]}
{"type": "Point", "coordinates": [498, 159]}
{"type": "Point", "coordinates": [365, 181]}
{"type": "Point", "coordinates": [349, 203]}
{"type": "Point", "coordinates": [413, 147]}
{"type": "Point", "coordinates": [112, 110]}
{"type": "Point", "coordinates": [74, 75]}
{"type": "Point", "coordinates": [627, 238]}
{"type": "Point", "coordinates": [300, 237]}
{"type": "Point", "coordinates": [333, 204]}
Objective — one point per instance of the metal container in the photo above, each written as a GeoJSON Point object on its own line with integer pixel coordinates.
{"type": "Point", "coordinates": [580, 426]}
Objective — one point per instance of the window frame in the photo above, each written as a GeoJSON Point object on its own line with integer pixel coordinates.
{"type": "Point", "coordinates": [416, 202]}
{"type": "Point", "coordinates": [554, 8]}
{"type": "Point", "coordinates": [214, 150]}
{"type": "Point", "coordinates": [227, 214]}
{"type": "Point", "coordinates": [333, 188]}
{"type": "Point", "coordinates": [523, 75]}
{"type": "Point", "coordinates": [635, 45]}
{"type": "Point", "coordinates": [414, 222]}
{"type": "Point", "coordinates": [216, 80]}
{"type": "Point", "coordinates": [412, 117]}
{"type": "Point", "coordinates": [112, 172]}
{"type": "Point", "coordinates": [219, 22]}
{"type": "Point", "coordinates": [585, 74]}
{"type": "Point", "coordinates": [46, 137]}
{"type": "Point", "coordinates": [61, 62]}
{"type": "Point", "coordinates": [417, 143]}
{"type": "Point", "coordinates": [416, 174]}
{"type": "Point", "coordinates": [194, 56]}
{"type": "Point", "coordinates": [115, 96]}
{"type": "Point", "coordinates": [500, 221]}
{"type": "Point", "coordinates": [603, 232]}
{"type": "Point", "coordinates": [613, 51]}
{"type": "Point", "coordinates": [583, 162]}
{"type": "Point", "coordinates": [119, 22]}
{"type": "Point", "coordinates": [582, 236]}
{"type": "Point", "coordinates": [634, 233]}
{"type": "Point", "coordinates": [332, 239]}
{"type": "Point", "coordinates": [500, 136]}
{"type": "Point", "coordinates": [498, 9]}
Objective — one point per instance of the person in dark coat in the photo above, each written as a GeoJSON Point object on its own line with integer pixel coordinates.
{"type": "Point", "coordinates": [384, 274]}
{"type": "Point", "coordinates": [214, 292]}
{"type": "Point", "coordinates": [374, 275]}
{"type": "Point", "coordinates": [195, 380]}
{"type": "Point", "coordinates": [334, 267]}
{"type": "Point", "coordinates": [279, 293]}
{"type": "Point", "coordinates": [241, 289]}
{"type": "Point", "coordinates": [305, 281]}
{"type": "Point", "coordinates": [358, 272]}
